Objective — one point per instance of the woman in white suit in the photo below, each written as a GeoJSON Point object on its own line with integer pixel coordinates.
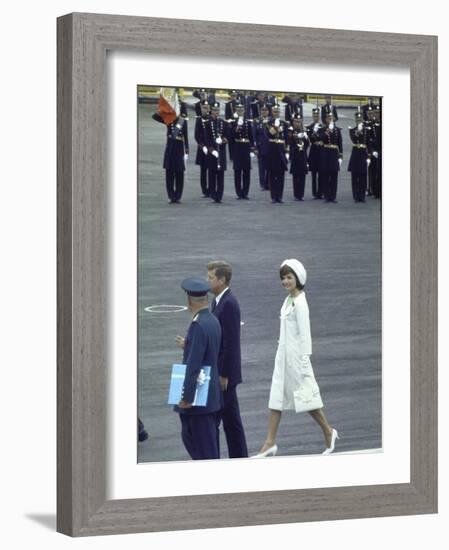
{"type": "Point", "coordinates": [292, 363]}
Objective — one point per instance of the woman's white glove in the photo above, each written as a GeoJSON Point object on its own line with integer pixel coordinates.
{"type": "Point", "coordinates": [205, 150]}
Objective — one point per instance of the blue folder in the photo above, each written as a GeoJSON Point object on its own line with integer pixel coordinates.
{"type": "Point", "coordinates": [178, 374]}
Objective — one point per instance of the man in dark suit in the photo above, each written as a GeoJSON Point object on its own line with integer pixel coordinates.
{"type": "Point", "coordinates": [201, 347]}
{"type": "Point", "coordinates": [226, 308]}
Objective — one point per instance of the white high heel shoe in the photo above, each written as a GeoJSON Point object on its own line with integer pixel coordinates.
{"type": "Point", "coordinates": [271, 451]}
{"type": "Point", "coordinates": [330, 449]}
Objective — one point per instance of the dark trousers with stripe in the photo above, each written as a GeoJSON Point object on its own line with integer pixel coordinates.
{"type": "Point", "coordinates": [199, 434]}
{"type": "Point", "coordinates": [330, 183]}
{"type": "Point", "coordinates": [263, 174]}
{"type": "Point", "coordinates": [358, 182]}
{"type": "Point", "coordinates": [174, 183]}
{"type": "Point", "coordinates": [216, 184]}
{"type": "Point", "coordinates": [276, 185]}
{"type": "Point", "coordinates": [316, 187]}
{"type": "Point", "coordinates": [242, 180]}
{"type": "Point", "coordinates": [299, 183]}
{"type": "Point", "coordinates": [204, 182]}
{"type": "Point", "coordinates": [232, 424]}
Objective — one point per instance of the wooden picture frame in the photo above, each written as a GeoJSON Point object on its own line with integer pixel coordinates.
{"type": "Point", "coordinates": [83, 40]}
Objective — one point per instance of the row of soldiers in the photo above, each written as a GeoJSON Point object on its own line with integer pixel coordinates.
{"type": "Point", "coordinates": [276, 143]}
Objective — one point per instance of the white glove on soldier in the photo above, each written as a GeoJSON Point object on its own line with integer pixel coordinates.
{"type": "Point", "coordinates": [205, 150]}
{"type": "Point", "coordinates": [219, 141]}
{"type": "Point", "coordinates": [215, 154]}
{"type": "Point", "coordinates": [375, 154]}
{"type": "Point", "coordinates": [277, 123]}
{"type": "Point", "coordinates": [186, 157]}
{"type": "Point", "coordinates": [340, 161]}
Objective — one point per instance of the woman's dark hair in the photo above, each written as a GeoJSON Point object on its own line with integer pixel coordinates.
{"type": "Point", "coordinates": [285, 270]}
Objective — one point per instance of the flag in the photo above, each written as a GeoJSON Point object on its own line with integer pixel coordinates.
{"type": "Point", "coordinates": [168, 105]}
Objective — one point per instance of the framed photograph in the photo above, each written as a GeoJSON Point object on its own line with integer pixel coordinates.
{"type": "Point", "coordinates": [97, 371]}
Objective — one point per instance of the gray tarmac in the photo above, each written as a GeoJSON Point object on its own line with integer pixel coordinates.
{"type": "Point", "coordinates": [340, 246]}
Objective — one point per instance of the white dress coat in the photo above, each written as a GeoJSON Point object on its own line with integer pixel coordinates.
{"type": "Point", "coordinates": [292, 361]}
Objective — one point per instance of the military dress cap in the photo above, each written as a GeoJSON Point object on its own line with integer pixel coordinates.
{"type": "Point", "coordinates": [195, 286]}
{"type": "Point", "coordinates": [297, 267]}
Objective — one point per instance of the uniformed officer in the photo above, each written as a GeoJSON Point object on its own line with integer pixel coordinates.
{"type": "Point", "coordinates": [230, 106]}
{"type": "Point", "coordinates": [175, 156]}
{"type": "Point", "coordinates": [293, 107]}
{"type": "Point", "coordinates": [199, 425]}
{"type": "Point", "coordinates": [359, 160]}
{"type": "Point", "coordinates": [375, 146]}
{"type": "Point", "coordinates": [257, 103]}
{"type": "Point", "coordinates": [202, 96]}
{"type": "Point", "coordinates": [370, 106]}
{"type": "Point", "coordinates": [261, 138]}
{"type": "Point", "coordinates": [298, 143]}
{"type": "Point", "coordinates": [231, 115]}
{"type": "Point", "coordinates": [328, 108]}
{"type": "Point", "coordinates": [201, 154]}
{"type": "Point", "coordinates": [241, 138]}
{"type": "Point", "coordinates": [216, 140]}
{"type": "Point", "coordinates": [330, 158]}
{"type": "Point", "coordinates": [314, 153]}
{"type": "Point", "coordinates": [277, 154]}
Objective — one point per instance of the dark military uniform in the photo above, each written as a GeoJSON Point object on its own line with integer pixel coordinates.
{"type": "Point", "coordinates": [276, 160]}
{"type": "Point", "coordinates": [201, 157]}
{"type": "Point", "coordinates": [199, 425]}
{"type": "Point", "coordinates": [326, 109]}
{"type": "Point", "coordinates": [358, 160]}
{"type": "Point", "coordinates": [231, 115]}
{"type": "Point", "coordinates": [216, 129]}
{"type": "Point", "coordinates": [174, 164]}
{"type": "Point", "coordinates": [331, 151]}
{"type": "Point", "coordinates": [261, 139]}
{"type": "Point", "coordinates": [299, 143]}
{"type": "Point", "coordinates": [293, 109]}
{"type": "Point", "coordinates": [370, 106]}
{"type": "Point", "coordinates": [375, 147]}
{"type": "Point", "coordinates": [314, 159]}
{"type": "Point", "coordinates": [241, 139]}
